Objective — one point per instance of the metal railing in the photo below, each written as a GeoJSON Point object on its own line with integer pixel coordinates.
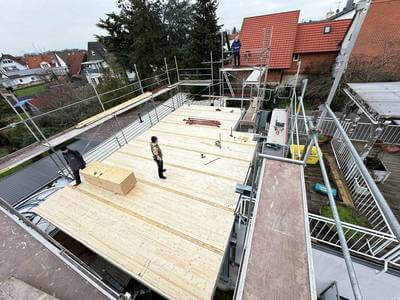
{"type": "Point", "coordinates": [360, 131]}
{"type": "Point", "coordinates": [362, 197]}
{"type": "Point", "coordinates": [367, 243]}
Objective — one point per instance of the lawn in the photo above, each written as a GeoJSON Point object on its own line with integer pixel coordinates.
{"type": "Point", "coordinates": [346, 214]}
{"type": "Point", "coordinates": [3, 152]}
{"type": "Point", "coordinates": [31, 90]}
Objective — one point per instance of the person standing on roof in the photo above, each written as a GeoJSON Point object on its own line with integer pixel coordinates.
{"type": "Point", "coordinates": [158, 157]}
{"type": "Point", "coordinates": [236, 51]}
{"type": "Point", "coordinates": [75, 161]}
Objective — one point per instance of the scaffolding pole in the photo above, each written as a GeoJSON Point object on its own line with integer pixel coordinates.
{"type": "Point", "coordinates": [177, 69]}
{"type": "Point", "coordinates": [22, 119]}
{"type": "Point", "coordinates": [362, 10]}
{"type": "Point", "coordinates": [345, 249]}
{"type": "Point", "coordinates": [166, 68]}
{"type": "Point", "coordinates": [138, 78]}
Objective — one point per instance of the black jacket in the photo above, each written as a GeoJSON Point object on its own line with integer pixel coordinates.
{"type": "Point", "coordinates": [74, 160]}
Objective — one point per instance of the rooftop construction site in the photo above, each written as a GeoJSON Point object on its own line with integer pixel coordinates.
{"type": "Point", "coordinates": [216, 182]}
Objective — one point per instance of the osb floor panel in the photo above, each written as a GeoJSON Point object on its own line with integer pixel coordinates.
{"type": "Point", "coordinates": [169, 234]}
{"type": "Point", "coordinates": [278, 263]}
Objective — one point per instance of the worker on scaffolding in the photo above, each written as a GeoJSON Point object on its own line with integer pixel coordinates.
{"type": "Point", "coordinates": [236, 51]}
{"type": "Point", "coordinates": [75, 161]}
{"type": "Point", "coordinates": [157, 155]}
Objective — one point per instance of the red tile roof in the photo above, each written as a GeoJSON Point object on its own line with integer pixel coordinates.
{"type": "Point", "coordinates": [380, 34]}
{"type": "Point", "coordinates": [74, 62]}
{"type": "Point", "coordinates": [311, 37]}
{"type": "Point", "coordinates": [33, 61]}
{"type": "Point", "coordinates": [283, 38]}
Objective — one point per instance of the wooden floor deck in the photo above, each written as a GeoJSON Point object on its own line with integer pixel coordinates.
{"type": "Point", "coordinates": [278, 264]}
{"type": "Point", "coordinates": [169, 234]}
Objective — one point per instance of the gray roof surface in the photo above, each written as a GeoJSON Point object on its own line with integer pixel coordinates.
{"type": "Point", "coordinates": [382, 97]}
{"type": "Point", "coordinates": [28, 72]}
{"type": "Point", "coordinates": [24, 257]}
{"type": "Point", "coordinates": [31, 179]}
{"type": "Point", "coordinates": [96, 51]}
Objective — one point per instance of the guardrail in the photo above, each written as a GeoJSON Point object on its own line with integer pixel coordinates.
{"type": "Point", "coordinates": [360, 132]}
{"type": "Point", "coordinates": [365, 242]}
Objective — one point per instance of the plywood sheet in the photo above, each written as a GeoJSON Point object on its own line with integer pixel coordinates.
{"type": "Point", "coordinates": [115, 179]}
{"type": "Point", "coordinates": [170, 234]}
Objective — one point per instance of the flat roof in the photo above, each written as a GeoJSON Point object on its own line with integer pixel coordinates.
{"type": "Point", "coordinates": [172, 234]}
{"type": "Point", "coordinates": [26, 258]}
{"type": "Point", "coordinates": [382, 97]}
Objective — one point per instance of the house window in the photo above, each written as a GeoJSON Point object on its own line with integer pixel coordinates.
{"type": "Point", "coordinates": [32, 78]}
{"type": "Point", "coordinates": [327, 29]}
{"type": "Point", "coordinates": [21, 80]}
{"type": "Point", "coordinates": [296, 57]}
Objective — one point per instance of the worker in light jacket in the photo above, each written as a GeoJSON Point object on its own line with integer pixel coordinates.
{"type": "Point", "coordinates": [158, 157]}
{"type": "Point", "coordinates": [236, 51]}
{"type": "Point", "coordinates": [75, 161]}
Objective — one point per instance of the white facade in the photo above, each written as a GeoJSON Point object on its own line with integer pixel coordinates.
{"type": "Point", "coordinates": [8, 65]}
{"type": "Point", "coordinates": [94, 70]}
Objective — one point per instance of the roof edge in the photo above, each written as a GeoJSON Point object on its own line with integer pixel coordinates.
{"type": "Point", "coordinates": [278, 13]}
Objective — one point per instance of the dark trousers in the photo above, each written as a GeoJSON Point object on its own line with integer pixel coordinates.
{"type": "Point", "coordinates": [76, 176]}
{"type": "Point", "coordinates": [160, 165]}
{"type": "Point", "coordinates": [236, 58]}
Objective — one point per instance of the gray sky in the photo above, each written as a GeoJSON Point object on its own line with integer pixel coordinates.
{"type": "Point", "coordinates": [41, 25]}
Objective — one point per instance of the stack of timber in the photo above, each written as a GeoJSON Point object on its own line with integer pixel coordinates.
{"type": "Point", "coordinates": [110, 178]}
{"type": "Point", "coordinates": [133, 102]}
{"type": "Point", "coordinates": [250, 116]}
{"type": "Point", "coordinates": [340, 182]}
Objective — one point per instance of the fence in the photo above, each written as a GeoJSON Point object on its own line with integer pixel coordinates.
{"type": "Point", "coordinates": [368, 243]}
{"type": "Point", "coordinates": [361, 133]}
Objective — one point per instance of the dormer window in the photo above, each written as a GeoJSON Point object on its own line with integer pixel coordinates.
{"type": "Point", "coordinates": [296, 57]}
{"type": "Point", "coordinates": [45, 65]}
{"type": "Point", "coordinates": [327, 29]}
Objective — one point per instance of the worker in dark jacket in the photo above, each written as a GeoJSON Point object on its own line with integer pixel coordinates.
{"type": "Point", "coordinates": [158, 157]}
{"type": "Point", "coordinates": [236, 51]}
{"type": "Point", "coordinates": [75, 161]}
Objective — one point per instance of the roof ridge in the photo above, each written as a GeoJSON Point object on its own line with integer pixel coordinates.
{"type": "Point", "coordinates": [278, 13]}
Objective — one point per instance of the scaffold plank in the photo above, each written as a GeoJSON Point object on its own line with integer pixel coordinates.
{"type": "Point", "coordinates": [278, 262]}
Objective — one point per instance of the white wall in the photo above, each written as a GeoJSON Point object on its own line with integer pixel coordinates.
{"type": "Point", "coordinates": [329, 268]}
{"type": "Point", "coordinates": [13, 64]}
{"type": "Point", "coordinates": [26, 80]}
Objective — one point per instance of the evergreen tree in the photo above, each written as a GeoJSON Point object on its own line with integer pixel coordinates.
{"type": "Point", "coordinates": [234, 30]}
{"type": "Point", "coordinates": [135, 35]}
{"type": "Point", "coordinates": [205, 32]}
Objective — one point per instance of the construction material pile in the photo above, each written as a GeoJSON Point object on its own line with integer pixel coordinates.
{"type": "Point", "coordinates": [204, 122]}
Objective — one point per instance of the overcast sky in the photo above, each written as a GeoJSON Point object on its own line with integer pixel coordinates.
{"type": "Point", "coordinates": [41, 25]}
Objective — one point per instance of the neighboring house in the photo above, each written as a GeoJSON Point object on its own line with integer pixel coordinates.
{"type": "Point", "coordinates": [47, 61]}
{"type": "Point", "coordinates": [26, 77]}
{"type": "Point", "coordinates": [96, 62]}
{"type": "Point", "coordinates": [380, 34]}
{"type": "Point", "coordinates": [11, 63]}
{"type": "Point", "coordinates": [74, 63]}
{"type": "Point", "coordinates": [316, 44]}
{"type": "Point", "coordinates": [14, 72]}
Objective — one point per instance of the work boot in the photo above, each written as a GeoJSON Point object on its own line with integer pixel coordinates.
{"type": "Point", "coordinates": [163, 177]}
